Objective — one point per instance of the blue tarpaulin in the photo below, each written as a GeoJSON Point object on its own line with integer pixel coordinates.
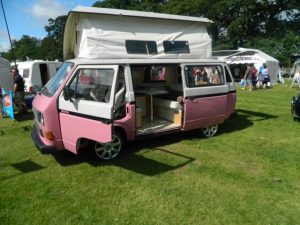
{"type": "Point", "coordinates": [8, 105]}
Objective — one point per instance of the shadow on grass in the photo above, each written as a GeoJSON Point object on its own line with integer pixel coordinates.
{"type": "Point", "coordinates": [24, 117]}
{"type": "Point", "coordinates": [154, 159]}
{"type": "Point", "coordinates": [26, 166]}
{"type": "Point", "coordinates": [243, 119]}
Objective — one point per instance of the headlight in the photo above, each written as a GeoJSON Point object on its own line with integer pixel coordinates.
{"type": "Point", "coordinates": [41, 119]}
{"type": "Point", "coordinates": [38, 116]}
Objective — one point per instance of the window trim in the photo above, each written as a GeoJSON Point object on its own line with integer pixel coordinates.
{"type": "Point", "coordinates": [147, 45]}
{"type": "Point", "coordinates": [169, 50]}
{"type": "Point", "coordinates": [208, 84]}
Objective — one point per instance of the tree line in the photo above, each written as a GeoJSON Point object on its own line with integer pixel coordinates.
{"type": "Point", "coordinates": [272, 26]}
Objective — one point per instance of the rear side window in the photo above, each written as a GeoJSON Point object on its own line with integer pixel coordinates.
{"type": "Point", "coordinates": [227, 74]}
{"type": "Point", "coordinates": [141, 47]}
{"type": "Point", "coordinates": [176, 47]}
{"type": "Point", "coordinates": [204, 75]}
{"type": "Point", "coordinates": [25, 73]}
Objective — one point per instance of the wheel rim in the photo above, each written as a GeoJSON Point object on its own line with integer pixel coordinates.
{"type": "Point", "coordinates": [210, 131]}
{"type": "Point", "coordinates": [109, 150]}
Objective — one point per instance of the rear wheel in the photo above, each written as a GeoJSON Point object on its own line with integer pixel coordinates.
{"type": "Point", "coordinates": [108, 151]}
{"type": "Point", "coordinates": [210, 131]}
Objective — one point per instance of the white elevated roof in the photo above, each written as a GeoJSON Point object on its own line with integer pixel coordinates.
{"type": "Point", "coordinates": [132, 13]}
{"type": "Point", "coordinates": [95, 33]}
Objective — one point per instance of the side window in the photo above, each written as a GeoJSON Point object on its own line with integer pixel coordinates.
{"type": "Point", "coordinates": [141, 47]}
{"type": "Point", "coordinates": [204, 75]}
{"type": "Point", "coordinates": [176, 47]}
{"type": "Point", "coordinates": [25, 73]}
{"type": "Point", "coordinates": [92, 84]}
{"type": "Point", "coordinates": [227, 74]}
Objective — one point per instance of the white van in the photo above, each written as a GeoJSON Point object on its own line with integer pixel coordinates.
{"type": "Point", "coordinates": [134, 75]}
{"type": "Point", "coordinates": [36, 73]}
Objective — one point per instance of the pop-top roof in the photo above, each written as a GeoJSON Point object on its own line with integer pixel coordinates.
{"type": "Point", "coordinates": [95, 33]}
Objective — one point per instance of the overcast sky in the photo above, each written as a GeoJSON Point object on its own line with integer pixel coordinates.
{"type": "Point", "coordinates": [29, 17]}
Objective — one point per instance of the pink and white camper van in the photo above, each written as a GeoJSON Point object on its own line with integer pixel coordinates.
{"type": "Point", "coordinates": [134, 75]}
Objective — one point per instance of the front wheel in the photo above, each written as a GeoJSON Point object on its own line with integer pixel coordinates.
{"type": "Point", "coordinates": [210, 131]}
{"type": "Point", "coordinates": [108, 151]}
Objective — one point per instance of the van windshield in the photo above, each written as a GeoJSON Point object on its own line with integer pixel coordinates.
{"type": "Point", "coordinates": [55, 82]}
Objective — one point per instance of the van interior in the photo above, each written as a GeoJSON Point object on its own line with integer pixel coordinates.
{"type": "Point", "coordinates": [158, 95]}
{"type": "Point", "coordinates": [44, 73]}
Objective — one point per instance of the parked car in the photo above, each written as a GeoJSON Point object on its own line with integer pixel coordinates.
{"type": "Point", "coordinates": [37, 73]}
{"type": "Point", "coordinates": [295, 107]}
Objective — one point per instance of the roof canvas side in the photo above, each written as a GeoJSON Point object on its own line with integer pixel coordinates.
{"type": "Point", "coordinates": [101, 33]}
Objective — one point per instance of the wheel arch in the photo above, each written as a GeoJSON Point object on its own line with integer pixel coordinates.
{"type": "Point", "coordinates": [122, 131]}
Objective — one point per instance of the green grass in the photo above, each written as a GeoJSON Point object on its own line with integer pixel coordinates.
{"type": "Point", "coordinates": [248, 174]}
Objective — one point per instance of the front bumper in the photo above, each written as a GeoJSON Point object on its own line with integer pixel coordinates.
{"type": "Point", "coordinates": [38, 142]}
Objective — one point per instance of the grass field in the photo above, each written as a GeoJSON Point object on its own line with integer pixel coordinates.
{"type": "Point", "coordinates": [248, 174]}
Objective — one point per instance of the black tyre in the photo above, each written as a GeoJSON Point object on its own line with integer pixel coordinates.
{"type": "Point", "coordinates": [210, 131]}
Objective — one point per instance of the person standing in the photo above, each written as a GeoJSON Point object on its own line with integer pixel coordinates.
{"type": "Point", "coordinates": [254, 76]}
{"type": "Point", "coordinates": [265, 75]}
{"type": "Point", "coordinates": [19, 94]}
{"type": "Point", "coordinates": [248, 78]}
{"type": "Point", "coordinates": [297, 76]}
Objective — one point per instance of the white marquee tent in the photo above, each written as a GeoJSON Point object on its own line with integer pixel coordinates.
{"type": "Point", "coordinates": [248, 56]}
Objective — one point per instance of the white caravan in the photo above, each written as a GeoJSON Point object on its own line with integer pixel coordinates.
{"type": "Point", "coordinates": [36, 73]}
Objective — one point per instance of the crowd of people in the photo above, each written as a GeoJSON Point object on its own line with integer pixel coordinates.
{"type": "Point", "coordinates": [254, 78]}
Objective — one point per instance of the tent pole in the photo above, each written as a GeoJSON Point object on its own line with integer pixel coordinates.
{"type": "Point", "coordinates": [12, 49]}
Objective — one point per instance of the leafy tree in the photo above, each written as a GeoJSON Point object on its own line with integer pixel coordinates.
{"type": "Point", "coordinates": [53, 43]}
{"type": "Point", "coordinates": [24, 48]}
{"type": "Point", "coordinates": [140, 5]}
{"type": "Point", "coordinates": [49, 48]}
{"type": "Point", "coordinates": [272, 26]}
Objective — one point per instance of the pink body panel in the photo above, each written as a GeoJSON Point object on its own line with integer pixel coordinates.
{"type": "Point", "coordinates": [48, 107]}
{"type": "Point", "coordinates": [128, 122]}
{"type": "Point", "coordinates": [75, 127]}
{"type": "Point", "coordinates": [231, 101]}
{"type": "Point", "coordinates": [202, 112]}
